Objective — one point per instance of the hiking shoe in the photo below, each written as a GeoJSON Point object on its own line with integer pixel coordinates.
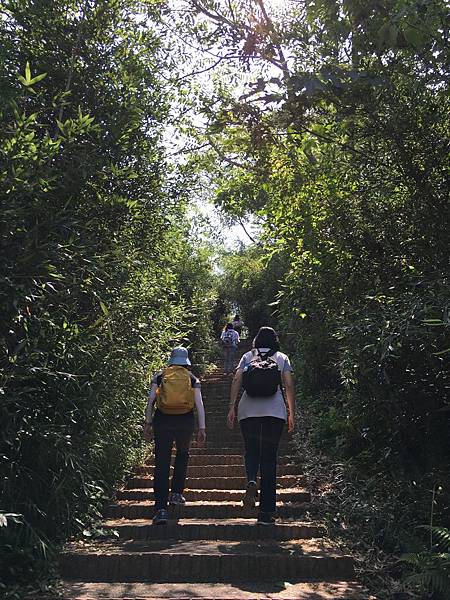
{"type": "Point", "coordinates": [266, 518]}
{"type": "Point", "coordinates": [251, 492]}
{"type": "Point", "coordinates": [176, 499]}
{"type": "Point", "coordinates": [160, 517]}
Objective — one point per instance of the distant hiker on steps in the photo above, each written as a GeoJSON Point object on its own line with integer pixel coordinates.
{"type": "Point", "coordinates": [175, 391]}
{"type": "Point", "coordinates": [230, 340]}
{"type": "Point", "coordinates": [262, 415]}
{"type": "Point", "coordinates": [237, 324]}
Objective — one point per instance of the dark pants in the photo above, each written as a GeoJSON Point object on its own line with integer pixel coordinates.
{"type": "Point", "coordinates": [167, 430]}
{"type": "Point", "coordinates": [261, 438]}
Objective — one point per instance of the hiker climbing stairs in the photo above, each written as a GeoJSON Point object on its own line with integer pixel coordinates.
{"type": "Point", "coordinates": [211, 547]}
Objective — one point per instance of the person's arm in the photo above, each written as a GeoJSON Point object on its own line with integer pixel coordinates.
{"type": "Point", "coordinates": [201, 436]}
{"type": "Point", "coordinates": [236, 385]}
{"type": "Point", "coordinates": [150, 404]}
{"type": "Point", "coordinates": [289, 387]}
{"type": "Point", "coordinates": [149, 413]}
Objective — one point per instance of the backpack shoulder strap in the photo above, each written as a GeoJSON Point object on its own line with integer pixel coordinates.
{"type": "Point", "coordinates": [159, 378]}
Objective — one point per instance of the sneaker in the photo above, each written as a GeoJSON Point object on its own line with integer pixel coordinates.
{"type": "Point", "coordinates": [160, 517]}
{"type": "Point", "coordinates": [266, 518]}
{"type": "Point", "coordinates": [176, 499]}
{"type": "Point", "coordinates": [251, 492]}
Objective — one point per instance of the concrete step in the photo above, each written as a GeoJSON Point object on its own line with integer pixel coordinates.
{"type": "Point", "coordinates": [215, 561]}
{"type": "Point", "coordinates": [221, 433]}
{"type": "Point", "coordinates": [210, 459]}
{"type": "Point", "coordinates": [212, 495]}
{"type": "Point", "coordinates": [246, 590]}
{"type": "Point", "coordinates": [220, 470]}
{"type": "Point", "coordinates": [213, 529]}
{"type": "Point", "coordinates": [236, 443]}
{"type": "Point", "coordinates": [218, 417]}
{"type": "Point", "coordinates": [218, 424]}
{"type": "Point", "coordinates": [218, 483]}
{"type": "Point", "coordinates": [210, 448]}
{"type": "Point", "coordinates": [221, 459]}
{"type": "Point", "coordinates": [144, 509]}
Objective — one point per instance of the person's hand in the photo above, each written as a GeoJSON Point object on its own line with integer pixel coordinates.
{"type": "Point", "coordinates": [291, 423]}
{"type": "Point", "coordinates": [201, 437]}
{"type": "Point", "coordinates": [231, 417]}
{"type": "Point", "coordinates": [148, 432]}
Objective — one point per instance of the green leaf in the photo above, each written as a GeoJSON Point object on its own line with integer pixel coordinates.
{"type": "Point", "coordinates": [441, 352]}
{"type": "Point", "coordinates": [433, 322]}
{"type": "Point", "coordinates": [38, 78]}
{"type": "Point", "coordinates": [382, 35]}
{"type": "Point", "coordinates": [392, 36]}
{"type": "Point", "coordinates": [413, 36]}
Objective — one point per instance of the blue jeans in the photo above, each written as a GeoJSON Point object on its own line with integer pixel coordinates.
{"type": "Point", "coordinates": [230, 353]}
{"type": "Point", "coordinates": [261, 438]}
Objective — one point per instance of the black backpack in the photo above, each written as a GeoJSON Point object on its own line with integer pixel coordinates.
{"type": "Point", "coordinates": [262, 376]}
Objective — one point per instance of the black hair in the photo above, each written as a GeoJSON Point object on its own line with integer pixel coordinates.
{"type": "Point", "coordinates": [229, 326]}
{"type": "Point", "coordinates": [236, 317]}
{"type": "Point", "coordinates": [267, 338]}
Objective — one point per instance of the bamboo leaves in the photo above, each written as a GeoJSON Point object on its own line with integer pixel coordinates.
{"type": "Point", "coordinates": [28, 81]}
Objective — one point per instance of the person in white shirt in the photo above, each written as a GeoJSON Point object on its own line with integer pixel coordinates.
{"type": "Point", "coordinates": [230, 340]}
{"type": "Point", "coordinates": [262, 420]}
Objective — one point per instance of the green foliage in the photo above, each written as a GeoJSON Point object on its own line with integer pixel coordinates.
{"type": "Point", "coordinates": [249, 285]}
{"type": "Point", "coordinates": [347, 170]}
{"type": "Point", "coordinates": [100, 272]}
{"type": "Point", "coordinates": [431, 569]}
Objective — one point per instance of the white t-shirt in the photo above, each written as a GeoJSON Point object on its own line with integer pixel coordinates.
{"type": "Point", "coordinates": [233, 335]}
{"type": "Point", "coordinates": [268, 406]}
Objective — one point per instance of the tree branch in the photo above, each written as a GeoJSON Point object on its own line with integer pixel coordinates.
{"type": "Point", "coordinates": [247, 233]}
{"type": "Point", "coordinates": [221, 155]}
{"type": "Point", "coordinates": [72, 61]}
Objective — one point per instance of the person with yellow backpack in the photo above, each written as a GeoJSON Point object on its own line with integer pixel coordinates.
{"type": "Point", "coordinates": [169, 418]}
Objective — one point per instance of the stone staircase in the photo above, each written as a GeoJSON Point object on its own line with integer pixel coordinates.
{"type": "Point", "coordinates": [211, 547]}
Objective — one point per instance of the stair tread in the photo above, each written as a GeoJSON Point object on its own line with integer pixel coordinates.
{"type": "Point", "coordinates": [222, 466]}
{"type": "Point", "coordinates": [188, 478]}
{"type": "Point", "coordinates": [286, 490]}
{"type": "Point", "coordinates": [339, 590]}
{"type": "Point", "coordinates": [315, 548]}
{"type": "Point", "coordinates": [111, 523]}
{"type": "Point", "coordinates": [201, 502]}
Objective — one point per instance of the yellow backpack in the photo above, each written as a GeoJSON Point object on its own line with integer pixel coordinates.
{"type": "Point", "coordinates": [175, 395]}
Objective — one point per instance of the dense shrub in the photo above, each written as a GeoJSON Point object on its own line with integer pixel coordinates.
{"type": "Point", "coordinates": [100, 274]}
